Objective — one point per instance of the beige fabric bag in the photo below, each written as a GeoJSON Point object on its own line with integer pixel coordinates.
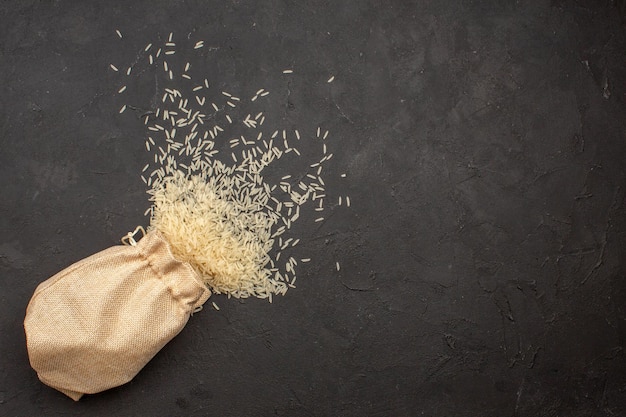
{"type": "Point", "coordinates": [96, 324]}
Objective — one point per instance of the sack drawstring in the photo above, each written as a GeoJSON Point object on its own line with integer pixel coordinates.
{"type": "Point", "coordinates": [129, 238]}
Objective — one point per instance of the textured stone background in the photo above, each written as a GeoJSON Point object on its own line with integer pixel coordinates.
{"type": "Point", "coordinates": [483, 267]}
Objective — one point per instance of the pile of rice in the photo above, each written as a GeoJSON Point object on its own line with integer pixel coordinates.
{"type": "Point", "coordinates": [224, 236]}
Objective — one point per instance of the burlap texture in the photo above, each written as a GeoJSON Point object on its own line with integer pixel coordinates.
{"type": "Point", "coordinates": [96, 324]}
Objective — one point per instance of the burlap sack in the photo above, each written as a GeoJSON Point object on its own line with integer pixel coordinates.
{"type": "Point", "coordinates": [96, 324]}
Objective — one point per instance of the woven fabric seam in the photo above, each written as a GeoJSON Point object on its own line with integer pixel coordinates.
{"type": "Point", "coordinates": [160, 275]}
{"type": "Point", "coordinates": [195, 275]}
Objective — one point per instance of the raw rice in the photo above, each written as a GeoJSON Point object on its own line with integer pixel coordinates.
{"type": "Point", "coordinates": [246, 220]}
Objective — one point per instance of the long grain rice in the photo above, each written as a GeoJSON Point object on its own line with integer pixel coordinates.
{"type": "Point", "coordinates": [245, 220]}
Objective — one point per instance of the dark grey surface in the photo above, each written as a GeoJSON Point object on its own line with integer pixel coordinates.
{"type": "Point", "coordinates": [483, 258]}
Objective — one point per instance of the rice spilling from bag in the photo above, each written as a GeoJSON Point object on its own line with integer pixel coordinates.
{"type": "Point", "coordinates": [225, 237]}
{"type": "Point", "coordinates": [211, 197]}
